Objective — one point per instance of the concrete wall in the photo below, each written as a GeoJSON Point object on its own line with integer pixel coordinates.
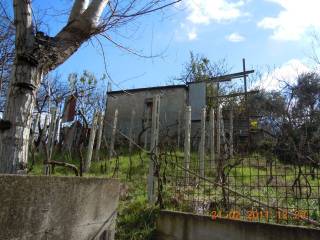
{"type": "Point", "coordinates": [182, 226]}
{"type": "Point", "coordinates": [197, 99]}
{"type": "Point", "coordinates": [66, 208]}
{"type": "Point", "coordinates": [172, 100]}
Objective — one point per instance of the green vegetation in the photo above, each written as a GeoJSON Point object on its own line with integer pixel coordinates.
{"type": "Point", "coordinates": [250, 177]}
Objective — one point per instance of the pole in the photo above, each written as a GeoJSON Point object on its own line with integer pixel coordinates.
{"type": "Point", "coordinates": [179, 129]}
{"type": "Point", "coordinates": [187, 134]}
{"type": "Point", "coordinates": [154, 147]}
{"type": "Point", "coordinates": [231, 132]}
{"type": "Point", "coordinates": [202, 141]}
{"type": "Point", "coordinates": [212, 152]}
{"type": "Point", "coordinates": [91, 143]}
{"type": "Point", "coordinates": [113, 134]}
{"type": "Point", "coordinates": [99, 137]}
{"type": "Point", "coordinates": [246, 101]}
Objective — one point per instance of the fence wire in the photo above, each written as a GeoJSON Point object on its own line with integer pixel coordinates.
{"type": "Point", "coordinates": [247, 187]}
{"type": "Point", "coordinates": [250, 186]}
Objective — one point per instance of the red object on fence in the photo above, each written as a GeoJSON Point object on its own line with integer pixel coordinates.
{"type": "Point", "coordinates": [69, 111]}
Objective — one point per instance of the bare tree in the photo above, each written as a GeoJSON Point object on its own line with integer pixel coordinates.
{"type": "Point", "coordinates": [37, 54]}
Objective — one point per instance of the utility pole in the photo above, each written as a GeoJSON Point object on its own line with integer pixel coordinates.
{"type": "Point", "coordinates": [246, 100]}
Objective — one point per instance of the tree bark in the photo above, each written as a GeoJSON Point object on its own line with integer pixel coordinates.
{"type": "Point", "coordinates": [20, 103]}
{"type": "Point", "coordinates": [18, 111]}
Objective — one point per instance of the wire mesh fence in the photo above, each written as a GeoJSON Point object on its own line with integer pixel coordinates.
{"type": "Point", "coordinates": [245, 187]}
{"type": "Point", "coordinates": [222, 171]}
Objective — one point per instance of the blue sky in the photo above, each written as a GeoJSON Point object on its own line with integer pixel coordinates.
{"type": "Point", "coordinates": [265, 32]}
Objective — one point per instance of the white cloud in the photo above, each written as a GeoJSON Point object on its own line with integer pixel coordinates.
{"type": "Point", "coordinates": [296, 17]}
{"type": "Point", "coordinates": [235, 37]}
{"type": "Point", "coordinates": [207, 11]}
{"type": "Point", "coordinates": [192, 35]}
{"type": "Point", "coordinates": [287, 72]}
{"type": "Point", "coordinates": [204, 12]}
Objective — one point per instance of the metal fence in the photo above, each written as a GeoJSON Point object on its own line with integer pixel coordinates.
{"type": "Point", "coordinates": [219, 179]}
{"type": "Point", "coordinates": [247, 187]}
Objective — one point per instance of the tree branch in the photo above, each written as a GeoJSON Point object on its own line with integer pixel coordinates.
{"type": "Point", "coordinates": [94, 11]}
{"type": "Point", "coordinates": [78, 8]}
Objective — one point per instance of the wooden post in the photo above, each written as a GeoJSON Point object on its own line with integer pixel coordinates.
{"type": "Point", "coordinates": [154, 147]}
{"type": "Point", "coordinates": [212, 150]}
{"type": "Point", "coordinates": [99, 136]}
{"type": "Point", "coordinates": [58, 129]}
{"type": "Point", "coordinates": [54, 135]}
{"type": "Point", "coordinates": [187, 133]}
{"type": "Point", "coordinates": [231, 133]}
{"type": "Point", "coordinates": [246, 101]}
{"type": "Point", "coordinates": [34, 127]}
{"type": "Point", "coordinates": [179, 129]}
{"type": "Point", "coordinates": [44, 132]}
{"type": "Point", "coordinates": [133, 113]}
{"type": "Point", "coordinates": [219, 132]}
{"type": "Point", "coordinates": [52, 131]}
{"type": "Point", "coordinates": [53, 112]}
{"type": "Point", "coordinates": [202, 141]}
{"type": "Point", "coordinates": [113, 134]}
{"type": "Point", "coordinates": [92, 136]}
{"type": "Point", "coordinates": [147, 130]}
{"type": "Point", "coordinates": [223, 135]}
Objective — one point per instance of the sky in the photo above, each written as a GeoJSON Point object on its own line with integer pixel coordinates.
{"type": "Point", "coordinates": [274, 36]}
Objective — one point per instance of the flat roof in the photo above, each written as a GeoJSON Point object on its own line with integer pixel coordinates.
{"type": "Point", "coordinates": [147, 89]}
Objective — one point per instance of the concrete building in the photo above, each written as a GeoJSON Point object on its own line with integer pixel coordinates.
{"type": "Point", "coordinates": [173, 99]}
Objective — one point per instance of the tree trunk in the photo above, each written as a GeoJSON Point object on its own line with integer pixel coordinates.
{"type": "Point", "coordinates": [21, 100]}
{"type": "Point", "coordinates": [24, 83]}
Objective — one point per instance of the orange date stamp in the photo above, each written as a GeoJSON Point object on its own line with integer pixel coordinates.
{"type": "Point", "coordinates": [256, 215]}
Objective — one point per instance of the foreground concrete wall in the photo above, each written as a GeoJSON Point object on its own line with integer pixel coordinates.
{"type": "Point", "coordinates": [182, 226]}
{"type": "Point", "coordinates": [66, 208]}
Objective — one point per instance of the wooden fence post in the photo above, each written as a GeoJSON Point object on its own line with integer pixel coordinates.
{"type": "Point", "coordinates": [133, 113]}
{"type": "Point", "coordinates": [218, 132]}
{"type": "Point", "coordinates": [53, 113]}
{"type": "Point", "coordinates": [99, 136]}
{"type": "Point", "coordinates": [34, 127]}
{"type": "Point", "coordinates": [154, 147]}
{"type": "Point", "coordinates": [55, 132]}
{"type": "Point", "coordinates": [224, 139]}
{"type": "Point", "coordinates": [113, 134]}
{"type": "Point", "coordinates": [47, 167]}
{"type": "Point", "coordinates": [92, 136]}
{"type": "Point", "coordinates": [179, 129]}
{"type": "Point", "coordinates": [202, 141]}
{"type": "Point", "coordinates": [44, 133]}
{"type": "Point", "coordinates": [187, 133]}
{"type": "Point", "coordinates": [147, 130]}
{"type": "Point", "coordinates": [212, 150]}
{"type": "Point", "coordinates": [231, 132]}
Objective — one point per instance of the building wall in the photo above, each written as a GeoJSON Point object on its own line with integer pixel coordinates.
{"type": "Point", "coordinates": [172, 100]}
